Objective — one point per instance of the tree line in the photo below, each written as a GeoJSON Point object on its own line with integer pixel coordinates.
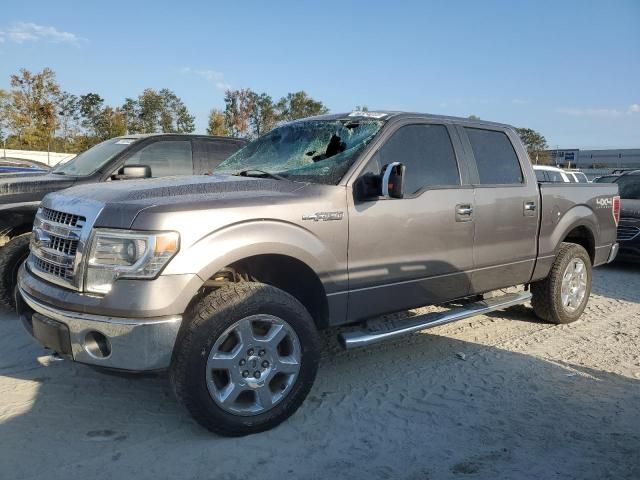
{"type": "Point", "coordinates": [249, 114]}
{"type": "Point", "coordinates": [36, 114]}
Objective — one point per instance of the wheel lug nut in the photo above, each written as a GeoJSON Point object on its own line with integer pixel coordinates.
{"type": "Point", "coordinates": [265, 364]}
{"type": "Point", "coordinates": [250, 352]}
{"type": "Point", "coordinates": [245, 374]}
{"type": "Point", "coordinates": [261, 353]}
{"type": "Point", "coordinates": [256, 374]}
{"type": "Point", "coordinates": [242, 362]}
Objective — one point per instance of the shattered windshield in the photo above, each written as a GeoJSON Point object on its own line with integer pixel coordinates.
{"type": "Point", "coordinates": [316, 151]}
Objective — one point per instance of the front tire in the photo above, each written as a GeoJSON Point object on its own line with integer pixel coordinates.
{"type": "Point", "coordinates": [245, 359]}
{"type": "Point", "coordinates": [563, 295]}
{"type": "Point", "coordinates": [12, 254]}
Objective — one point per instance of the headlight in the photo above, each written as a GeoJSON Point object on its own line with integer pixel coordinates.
{"type": "Point", "coordinates": [126, 254]}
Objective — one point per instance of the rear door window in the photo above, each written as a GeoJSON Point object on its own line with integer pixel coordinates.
{"type": "Point", "coordinates": [166, 158]}
{"type": "Point", "coordinates": [212, 152]}
{"type": "Point", "coordinates": [495, 157]}
{"type": "Point", "coordinates": [540, 176]}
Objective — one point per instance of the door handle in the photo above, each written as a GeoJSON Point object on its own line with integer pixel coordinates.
{"type": "Point", "coordinates": [464, 212]}
{"type": "Point", "coordinates": [529, 208]}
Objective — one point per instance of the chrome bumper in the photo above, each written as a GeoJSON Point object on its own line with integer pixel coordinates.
{"type": "Point", "coordinates": [135, 344]}
{"type": "Point", "coordinates": [613, 253]}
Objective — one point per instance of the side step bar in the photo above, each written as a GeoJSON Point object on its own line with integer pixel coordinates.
{"type": "Point", "coordinates": [366, 336]}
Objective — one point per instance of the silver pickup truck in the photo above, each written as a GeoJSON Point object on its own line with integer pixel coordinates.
{"type": "Point", "coordinates": [225, 280]}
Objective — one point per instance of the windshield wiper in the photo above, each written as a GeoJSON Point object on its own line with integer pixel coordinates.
{"type": "Point", "coordinates": [260, 173]}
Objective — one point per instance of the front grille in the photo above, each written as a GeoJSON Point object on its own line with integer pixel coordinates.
{"type": "Point", "coordinates": [62, 217]}
{"type": "Point", "coordinates": [627, 232]}
{"type": "Point", "coordinates": [63, 245]}
{"type": "Point", "coordinates": [54, 245]}
{"type": "Point", "coordinates": [49, 268]}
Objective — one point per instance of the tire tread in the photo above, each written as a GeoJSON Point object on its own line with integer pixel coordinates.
{"type": "Point", "coordinates": [545, 301]}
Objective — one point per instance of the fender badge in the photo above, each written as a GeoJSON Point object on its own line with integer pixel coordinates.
{"type": "Point", "coordinates": [324, 216]}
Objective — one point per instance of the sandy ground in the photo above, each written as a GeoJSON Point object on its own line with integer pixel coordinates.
{"type": "Point", "coordinates": [497, 396]}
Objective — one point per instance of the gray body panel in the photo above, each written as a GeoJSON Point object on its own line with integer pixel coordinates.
{"type": "Point", "coordinates": [371, 257]}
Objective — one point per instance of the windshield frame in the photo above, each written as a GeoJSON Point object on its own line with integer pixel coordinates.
{"type": "Point", "coordinates": [58, 169]}
{"type": "Point", "coordinates": [359, 149]}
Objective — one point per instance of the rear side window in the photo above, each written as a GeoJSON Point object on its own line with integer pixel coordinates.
{"type": "Point", "coordinates": [495, 157]}
{"type": "Point", "coordinates": [427, 153]}
{"type": "Point", "coordinates": [540, 176]}
{"type": "Point", "coordinates": [166, 158]}
{"type": "Point", "coordinates": [215, 151]}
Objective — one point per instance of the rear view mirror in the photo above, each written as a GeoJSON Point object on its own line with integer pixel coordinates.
{"type": "Point", "coordinates": [130, 172]}
{"type": "Point", "coordinates": [393, 180]}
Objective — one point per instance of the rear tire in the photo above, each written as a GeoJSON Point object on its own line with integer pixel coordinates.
{"type": "Point", "coordinates": [12, 254]}
{"type": "Point", "coordinates": [563, 295]}
{"type": "Point", "coordinates": [245, 358]}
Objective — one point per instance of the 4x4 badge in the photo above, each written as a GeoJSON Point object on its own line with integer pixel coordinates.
{"type": "Point", "coordinates": [324, 216]}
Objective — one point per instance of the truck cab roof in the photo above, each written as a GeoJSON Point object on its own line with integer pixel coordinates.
{"type": "Point", "coordinates": [387, 115]}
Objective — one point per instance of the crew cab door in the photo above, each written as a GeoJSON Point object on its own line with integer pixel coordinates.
{"type": "Point", "coordinates": [505, 209]}
{"type": "Point", "coordinates": [416, 250]}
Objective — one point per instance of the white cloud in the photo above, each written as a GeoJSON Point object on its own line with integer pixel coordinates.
{"type": "Point", "coordinates": [590, 112]}
{"type": "Point", "coordinates": [22, 32]}
{"type": "Point", "coordinates": [211, 76]}
{"type": "Point", "coordinates": [519, 101]}
{"type": "Point", "coordinates": [599, 112]}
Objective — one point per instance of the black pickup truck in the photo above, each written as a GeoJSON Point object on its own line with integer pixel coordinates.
{"type": "Point", "coordinates": [629, 227]}
{"type": "Point", "coordinates": [120, 158]}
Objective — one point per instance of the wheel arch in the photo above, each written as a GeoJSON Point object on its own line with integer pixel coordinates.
{"type": "Point", "coordinates": [578, 225]}
{"type": "Point", "coordinates": [278, 253]}
{"type": "Point", "coordinates": [583, 236]}
{"type": "Point", "coordinates": [14, 222]}
{"type": "Point", "coordinates": [292, 276]}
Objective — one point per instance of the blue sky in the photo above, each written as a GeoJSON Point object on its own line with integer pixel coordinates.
{"type": "Point", "coordinates": [569, 69]}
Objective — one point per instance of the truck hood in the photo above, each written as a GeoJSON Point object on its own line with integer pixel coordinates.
{"type": "Point", "coordinates": [629, 208]}
{"type": "Point", "coordinates": [31, 187]}
{"type": "Point", "coordinates": [121, 202]}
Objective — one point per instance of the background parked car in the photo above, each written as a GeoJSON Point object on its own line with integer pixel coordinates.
{"type": "Point", "coordinates": [10, 165]}
{"type": "Point", "coordinates": [121, 158]}
{"type": "Point", "coordinates": [606, 179]}
{"type": "Point", "coordinates": [545, 173]}
{"type": "Point", "coordinates": [577, 177]}
{"type": "Point", "coordinates": [629, 226]}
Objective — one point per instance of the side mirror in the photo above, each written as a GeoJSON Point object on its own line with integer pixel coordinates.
{"type": "Point", "coordinates": [130, 172]}
{"type": "Point", "coordinates": [389, 184]}
{"type": "Point", "coordinates": [393, 180]}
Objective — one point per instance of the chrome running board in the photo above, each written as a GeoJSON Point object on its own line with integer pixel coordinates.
{"type": "Point", "coordinates": [368, 336]}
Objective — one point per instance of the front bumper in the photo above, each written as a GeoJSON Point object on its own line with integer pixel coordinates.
{"type": "Point", "coordinates": [131, 344]}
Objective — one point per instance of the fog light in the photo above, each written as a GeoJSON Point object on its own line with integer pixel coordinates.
{"type": "Point", "coordinates": [97, 345]}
